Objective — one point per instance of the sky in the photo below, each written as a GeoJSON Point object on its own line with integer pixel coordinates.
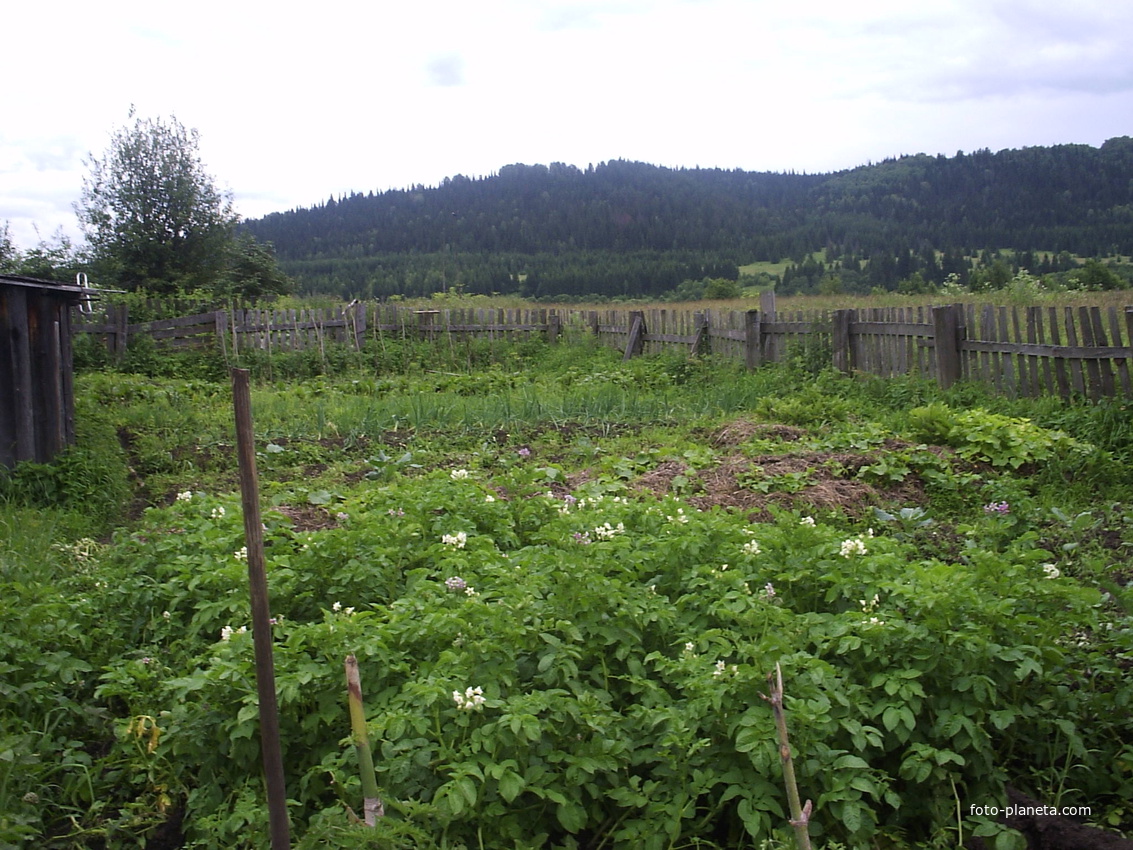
{"type": "Point", "coordinates": [297, 103]}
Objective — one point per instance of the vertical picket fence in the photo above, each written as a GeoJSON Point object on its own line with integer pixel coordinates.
{"type": "Point", "coordinates": [1065, 351]}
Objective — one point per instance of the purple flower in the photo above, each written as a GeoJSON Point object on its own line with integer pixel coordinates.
{"type": "Point", "coordinates": [456, 583]}
{"type": "Point", "coordinates": [525, 452]}
{"type": "Point", "coordinates": [997, 508]}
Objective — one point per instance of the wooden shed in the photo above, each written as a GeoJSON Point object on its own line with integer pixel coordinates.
{"type": "Point", "coordinates": [37, 405]}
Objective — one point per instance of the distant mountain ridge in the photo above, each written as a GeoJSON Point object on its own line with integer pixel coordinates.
{"type": "Point", "coordinates": [629, 228]}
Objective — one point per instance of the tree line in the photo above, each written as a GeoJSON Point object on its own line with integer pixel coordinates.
{"type": "Point", "coordinates": [628, 229]}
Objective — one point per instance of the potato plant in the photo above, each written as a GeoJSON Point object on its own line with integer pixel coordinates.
{"type": "Point", "coordinates": [563, 644]}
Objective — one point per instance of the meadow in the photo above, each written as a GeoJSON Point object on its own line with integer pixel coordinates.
{"type": "Point", "coordinates": [566, 579]}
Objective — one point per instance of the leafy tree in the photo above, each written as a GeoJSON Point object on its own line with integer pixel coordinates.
{"type": "Point", "coordinates": [251, 271]}
{"type": "Point", "coordinates": [916, 285]}
{"type": "Point", "coordinates": [993, 274]}
{"type": "Point", "coordinates": [1095, 276]}
{"type": "Point", "coordinates": [718, 287]}
{"type": "Point", "coordinates": [154, 218]}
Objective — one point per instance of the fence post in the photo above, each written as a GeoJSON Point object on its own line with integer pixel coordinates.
{"type": "Point", "coordinates": [767, 303]}
{"type": "Point", "coordinates": [554, 326]}
{"type": "Point", "coordinates": [220, 323]}
{"type": "Point", "coordinates": [357, 318]}
{"type": "Point", "coordinates": [121, 321]}
{"type": "Point", "coordinates": [700, 341]}
{"type": "Point", "coordinates": [1129, 328]}
{"type": "Point", "coordinates": [753, 339]}
{"type": "Point", "coordinates": [946, 333]}
{"type": "Point", "coordinates": [426, 323]}
{"type": "Point", "coordinates": [840, 341]}
{"type": "Point", "coordinates": [270, 746]}
{"type": "Point", "coordinates": [636, 339]}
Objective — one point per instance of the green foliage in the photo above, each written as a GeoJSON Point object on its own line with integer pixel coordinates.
{"type": "Point", "coordinates": [154, 218]}
{"type": "Point", "coordinates": [156, 221]}
{"type": "Point", "coordinates": [251, 271]}
{"type": "Point", "coordinates": [620, 647]}
{"type": "Point", "coordinates": [488, 528]}
{"type": "Point", "coordinates": [1002, 441]}
{"type": "Point", "coordinates": [1094, 276]}
{"type": "Point", "coordinates": [58, 260]}
{"type": "Point", "coordinates": [812, 353]}
{"type": "Point", "coordinates": [91, 479]}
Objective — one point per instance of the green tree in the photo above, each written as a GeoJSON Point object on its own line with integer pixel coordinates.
{"type": "Point", "coordinates": [1095, 276]}
{"type": "Point", "coordinates": [154, 218]}
{"type": "Point", "coordinates": [251, 271]}
{"type": "Point", "coordinates": [717, 288]}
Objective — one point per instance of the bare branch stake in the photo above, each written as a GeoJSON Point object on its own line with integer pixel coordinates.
{"type": "Point", "coordinates": [372, 807]}
{"type": "Point", "coordinates": [800, 814]}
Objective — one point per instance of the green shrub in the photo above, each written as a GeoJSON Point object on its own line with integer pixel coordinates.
{"type": "Point", "coordinates": [1002, 441]}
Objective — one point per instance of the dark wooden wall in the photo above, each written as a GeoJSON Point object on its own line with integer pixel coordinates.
{"type": "Point", "coordinates": [37, 413]}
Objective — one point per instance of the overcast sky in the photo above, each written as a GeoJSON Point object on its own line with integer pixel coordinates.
{"type": "Point", "coordinates": [297, 102]}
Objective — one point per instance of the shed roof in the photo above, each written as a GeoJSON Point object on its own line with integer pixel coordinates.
{"type": "Point", "coordinates": [38, 283]}
{"type": "Point", "coordinates": [70, 290]}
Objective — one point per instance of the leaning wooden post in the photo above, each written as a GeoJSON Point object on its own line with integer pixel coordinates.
{"type": "Point", "coordinates": [261, 614]}
{"type": "Point", "coordinates": [800, 814]}
{"type": "Point", "coordinates": [636, 340]}
{"type": "Point", "coordinates": [372, 803]}
{"type": "Point", "coordinates": [840, 341]}
{"type": "Point", "coordinates": [753, 339]}
{"type": "Point", "coordinates": [946, 339]}
{"type": "Point", "coordinates": [220, 319]}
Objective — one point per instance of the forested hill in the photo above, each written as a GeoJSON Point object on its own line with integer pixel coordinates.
{"type": "Point", "coordinates": [627, 228]}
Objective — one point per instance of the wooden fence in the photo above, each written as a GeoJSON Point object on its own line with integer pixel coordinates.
{"type": "Point", "coordinates": [1030, 351]}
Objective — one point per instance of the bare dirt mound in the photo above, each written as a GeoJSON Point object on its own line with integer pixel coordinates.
{"type": "Point", "coordinates": [307, 517]}
{"type": "Point", "coordinates": [813, 481]}
{"type": "Point", "coordinates": [743, 430]}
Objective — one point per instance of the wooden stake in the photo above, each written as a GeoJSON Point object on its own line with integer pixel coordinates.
{"type": "Point", "coordinates": [800, 814]}
{"type": "Point", "coordinates": [372, 803]}
{"type": "Point", "coordinates": [261, 613]}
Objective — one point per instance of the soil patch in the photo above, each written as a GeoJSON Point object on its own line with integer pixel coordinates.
{"type": "Point", "coordinates": [803, 480]}
{"type": "Point", "coordinates": [307, 517]}
{"type": "Point", "coordinates": [742, 431]}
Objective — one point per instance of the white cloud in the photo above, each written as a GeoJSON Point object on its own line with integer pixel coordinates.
{"type": "Point", "coordinates": [447, 70]}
